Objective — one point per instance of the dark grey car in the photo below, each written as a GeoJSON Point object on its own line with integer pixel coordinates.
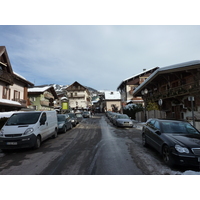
{"type": "Point", "coordinates": [79, 117]}
{"type": "Point", "coordinates": [122, 120]}
{"type": "Point", "coordinates": [64, 124]}
{"type": "Point", "coordinates": [73, 118]}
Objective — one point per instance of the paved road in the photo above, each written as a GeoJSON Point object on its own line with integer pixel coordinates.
{"type": "Point", "coordinates": [113, 157]}
{"type": "Point", "coordinates": [94, 146]}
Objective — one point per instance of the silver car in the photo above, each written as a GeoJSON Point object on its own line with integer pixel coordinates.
{"type": "Point", "coordinates": [122, 120]}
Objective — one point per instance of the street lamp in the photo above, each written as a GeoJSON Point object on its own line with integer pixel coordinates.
{"type": "Point", "coordinates": [144, 94]}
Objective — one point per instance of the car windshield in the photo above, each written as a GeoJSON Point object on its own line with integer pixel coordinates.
{"type": "Point", "coordinates": [23, 118]}
{"type": "Point", "coordinates": [178, 127]}
{"type": "Point", "coordinates": [122, 117]}
{"type": "Point", "coordinates": [78, 115]}
{"type": "Point", "coordinates": [61, 118]}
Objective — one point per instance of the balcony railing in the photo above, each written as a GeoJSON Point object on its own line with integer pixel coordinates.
{"type": "Point", "coordinates": [6, 77]}
{"type": "Point", "coordinates": [177, 91]}
{"type": "Point", "coordinates": [76, 96]}
{"type": "Point", "coordinates": [48, 95]}
{"type": "Point", "coordinates": [44, 103]}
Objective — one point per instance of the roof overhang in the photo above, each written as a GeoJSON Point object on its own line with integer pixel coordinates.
{"type": "Point", "coordinates": [164, 70]}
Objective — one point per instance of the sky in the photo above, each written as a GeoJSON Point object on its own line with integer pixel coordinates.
{"type": "Point", "coordinates": [98, 56]}
{"type": "Point", "coordinates": [97, 44]}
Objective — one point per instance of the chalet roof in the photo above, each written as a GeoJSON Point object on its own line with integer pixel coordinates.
{"type": "Point", "coordinates": [5, 59]}
{"type": "Point", "coordinates": [137, 75]}
{"type": "Point", "coordinates": [41, 89]}
{"type": "Point", "coordinates": [22, 79]}
{"type": "Point", "coordinates": [168, 69]}
{"type": "Point", "coordinates": [76, 83]}
{"type": "Point", "coordinates": [112, 95]}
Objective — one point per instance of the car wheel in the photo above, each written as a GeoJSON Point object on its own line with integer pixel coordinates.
{"type": "Point", "coordinates": [144, 141]}
{"type": "Point", "coordinates": [64, 130]}
{"type": "Point", "coordinates": [37, 142]}
{"type": "Point", "coordinates": [167, 156]}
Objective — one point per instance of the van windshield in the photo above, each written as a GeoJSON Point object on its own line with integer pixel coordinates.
{"type": "Point", "coordinates": [23, 118]}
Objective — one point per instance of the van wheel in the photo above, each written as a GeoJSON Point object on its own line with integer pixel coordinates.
{"type": "Point", "coordinates": [55, 134]}
{"type": "Point", "coordinates": [37, 143]}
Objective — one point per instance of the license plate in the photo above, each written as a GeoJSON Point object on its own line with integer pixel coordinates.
{"type": "Point", "coordinates": [198, 159]}
{"type": "Point", "coordinates": [11, 143]}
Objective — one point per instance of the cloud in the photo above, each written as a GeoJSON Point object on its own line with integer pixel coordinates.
{"type": "Point", "coordinates": [96, 56]}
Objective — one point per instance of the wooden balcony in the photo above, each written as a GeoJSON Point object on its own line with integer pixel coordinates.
{"type": "Point", "coordinates": [48, 96]}
{"type": "Point", "coordinates": [6, 77]}
{"type": "Point", "coordinates": [182, 90]}
{"type": "Point", "coordinates": [44, 103]}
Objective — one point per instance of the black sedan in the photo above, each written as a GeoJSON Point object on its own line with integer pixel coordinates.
{"type": "Point", "coordinates": [177, 141]}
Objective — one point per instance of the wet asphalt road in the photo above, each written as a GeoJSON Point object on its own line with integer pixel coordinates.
{"type": "Point", "coordinates": [93, 147]}
{"type": "Point", "coordinates": [113, 157]}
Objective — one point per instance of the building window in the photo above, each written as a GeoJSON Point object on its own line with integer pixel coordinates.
{"type": "Point", "coordinates": [6, 93]}
{"type": "Point", "coordinates": [16, 95]}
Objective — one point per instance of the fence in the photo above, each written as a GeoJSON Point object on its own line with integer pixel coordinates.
{"type": "Point", "coordinates": [140, 116]}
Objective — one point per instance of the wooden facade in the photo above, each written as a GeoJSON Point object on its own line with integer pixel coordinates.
{"type": "Point", "coordinates": [13, 87]}
{"type": "Point", "coordinates": [127, 87]}
{"type": "Point", "coordinates": [173, 86]}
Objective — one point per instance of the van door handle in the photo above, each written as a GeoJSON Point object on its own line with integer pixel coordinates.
{"type": "Point", "coordinates": [46, 123]}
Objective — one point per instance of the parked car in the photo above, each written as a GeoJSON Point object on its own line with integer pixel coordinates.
{"type": "Point", "coordinates": [177, 141]}
{"type": "Point", "coordinates": [79, 117]}
{"type": "Point", "coordinates": [64, 123]}
{"type": "Point", "coordinates": [122, 120]}
{"type": "Point", "coordinates": [72, 118]}
{"type": "Point", "coordinates": [86, 114]}
{"type": "Point", "coordinates": [28, 129]}
{"type": "Point", "coordinates": [112, 115]}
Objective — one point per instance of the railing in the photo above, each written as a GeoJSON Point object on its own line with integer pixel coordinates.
{"type": "Point", "coordinates": [48, 95]}
{"type": "Point", "coordinates": [76, 96]}
{"type": "Point", "coordinates": [44, 103]}
{"type": "Point", "coordinates": [177, 91]}
{"type": "Point", "coordinates": [6, 77]}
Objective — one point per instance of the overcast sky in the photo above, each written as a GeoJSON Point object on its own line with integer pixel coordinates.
{"type": "Point", "coordinates": [97, 56]}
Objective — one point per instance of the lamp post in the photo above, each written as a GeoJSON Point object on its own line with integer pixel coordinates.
{"type": "Point", "coordinates": [144, 94]}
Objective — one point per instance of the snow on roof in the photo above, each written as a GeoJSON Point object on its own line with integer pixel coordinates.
{"type": "Point", "coordinates": [140, 73]}
{"type": "Point", "coordinates": [63, 98]}
{"type": "Point", "coordinates": [112, 95]}
{"type": "Point", "coordinates": [9, 102]}
{"type": "Point", "coordinates": [19, 76]}
{"type": "Point", "coordinates": [39, 89]}
{"type": "Point", "coordinates": [171, 67]}
{"type": "Point", "coordinates": [137, 75]}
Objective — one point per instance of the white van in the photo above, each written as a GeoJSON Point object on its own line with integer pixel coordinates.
{"type": "Point", "coordinates": [28, 129]}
